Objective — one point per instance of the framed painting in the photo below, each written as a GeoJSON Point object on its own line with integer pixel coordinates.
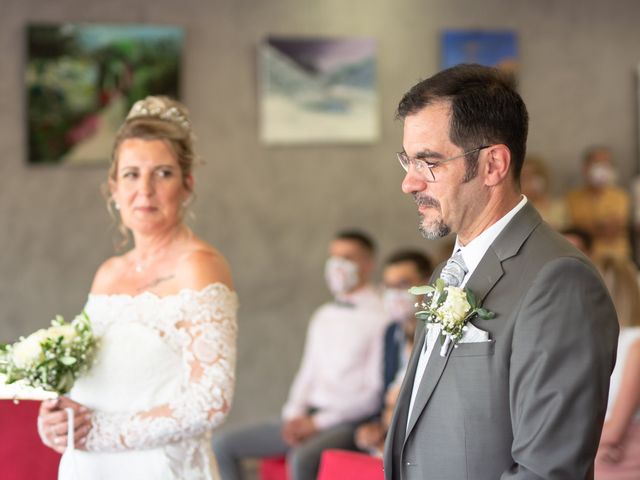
{"type": "Point", "coordinates": [318, 90]}
{"type": "Point", "coordinates": [81, 79]}
{"type": "Point", "coordinates": [493, 48]}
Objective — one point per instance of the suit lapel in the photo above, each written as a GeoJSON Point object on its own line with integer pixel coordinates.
{"type": "Point", "coordinates": [433, 372]}
{"type": "Point", "coordinates": [507, 245]}
{"type": "Point", "coordinates": [485, 276]}
{"type": "Point", "coordinates": [396, 434]}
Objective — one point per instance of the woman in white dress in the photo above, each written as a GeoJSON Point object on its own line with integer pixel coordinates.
{"type": "Point", "coordinates": [164, 314]}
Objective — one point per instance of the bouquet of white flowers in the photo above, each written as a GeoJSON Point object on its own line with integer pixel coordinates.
{"type": "Point", "coordinates": [50, 359]}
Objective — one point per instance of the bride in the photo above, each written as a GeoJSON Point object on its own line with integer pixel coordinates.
{"type": "Point", "coordinates": [164, 314]}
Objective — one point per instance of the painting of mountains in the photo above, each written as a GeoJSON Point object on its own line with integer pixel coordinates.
{"type": "Point", "coordinates": [318, 90]}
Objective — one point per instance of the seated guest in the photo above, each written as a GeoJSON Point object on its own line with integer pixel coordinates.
{"type": "Point", "coordinates": [618, 455]}
{"type": "Point", "coordinates": [600, 207]}
{"type": "Point", "coordinates": [338, 383]}
{"type": "Point", "coordinates": [579, 238]}
{"type": "Point", "coordinates": [535, 183]}
{"type": "Point", "coordinates": [403, 270]}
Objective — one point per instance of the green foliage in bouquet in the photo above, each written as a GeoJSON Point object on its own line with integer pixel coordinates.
{"type": "Point", "coordinates": [50, 358]}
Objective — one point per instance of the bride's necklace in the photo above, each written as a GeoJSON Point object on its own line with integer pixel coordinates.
{"type": "Point", "coordinates": [139, 266]}
{"type": "Point", "coordinates": [142, 266]}
{"type": "Point", "coordinates": [144, 263]}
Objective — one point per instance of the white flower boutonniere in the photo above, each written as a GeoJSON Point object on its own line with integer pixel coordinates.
{"type": "Point", "coordinates": [451, 307]}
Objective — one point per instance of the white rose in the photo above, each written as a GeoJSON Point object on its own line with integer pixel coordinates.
{"type": "Point", "coordinates": [28, 352]}
{"type": "Point", "coordinates": [455, 307]}
{"type": "Point", "coordinates": [66, 331]}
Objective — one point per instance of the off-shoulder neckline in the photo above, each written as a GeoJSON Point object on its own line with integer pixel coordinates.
{"type": "Point", "coordinates": [180, 293]}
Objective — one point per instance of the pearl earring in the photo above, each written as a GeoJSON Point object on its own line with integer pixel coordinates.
{"type": "Point", "coordinates": [116, 205]}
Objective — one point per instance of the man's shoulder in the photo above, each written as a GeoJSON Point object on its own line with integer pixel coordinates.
{"type": "Point", "coordinates": [548, 243]}
{"type": "Point", "coordinates": [546, 249]}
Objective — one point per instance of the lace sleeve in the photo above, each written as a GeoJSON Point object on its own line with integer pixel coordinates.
{"type": "Point", "coordinates": [208, 340]}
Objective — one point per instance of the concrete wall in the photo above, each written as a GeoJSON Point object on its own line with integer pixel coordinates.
{"type": "Point", "coordinates": [272, 210]}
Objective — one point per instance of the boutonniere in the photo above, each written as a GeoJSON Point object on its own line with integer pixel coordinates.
{"type": "Point", "coordinates": [451, 307]}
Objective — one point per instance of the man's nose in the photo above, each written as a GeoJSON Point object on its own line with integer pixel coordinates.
{"type": "Point", "coordinates": [413, 181]}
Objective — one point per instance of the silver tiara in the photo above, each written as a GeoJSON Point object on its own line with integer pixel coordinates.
{"type": "Point", "coordinates": [157, 107]}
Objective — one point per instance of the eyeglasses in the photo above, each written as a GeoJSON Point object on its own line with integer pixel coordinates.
{"type": "Point", "coordinates": [425, 167]}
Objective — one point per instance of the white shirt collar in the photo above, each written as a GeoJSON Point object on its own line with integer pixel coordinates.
{"type": "Point", "coordinates": [473, 252]}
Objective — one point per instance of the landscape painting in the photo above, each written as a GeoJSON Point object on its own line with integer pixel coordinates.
{"type": "Point", "coordinates": [318, 90]}
{"type": "Point", "coordinates": [81, 79]}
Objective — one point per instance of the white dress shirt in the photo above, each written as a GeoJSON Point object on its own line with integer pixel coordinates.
{"type": "Point", "coordinates": [340, 370]}
{"type": "Point", "coordinates": [472, 254]}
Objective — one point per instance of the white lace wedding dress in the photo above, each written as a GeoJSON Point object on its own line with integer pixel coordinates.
{"type": "Point", "coordinates": [162, 380]}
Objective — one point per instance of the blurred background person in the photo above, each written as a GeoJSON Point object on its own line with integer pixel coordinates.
{"type": "Point", "coordinates": [618, 455]}
{"type": "Point", "coordinates": [579, 238]}
{"type": "Point", "coordinates": [403, 269]}
{"type": "Point", "coordinates": [535, 183]}
{"type": "Point", "coordinates": [338, 383]}
{"type": "Point", "coordinates": [164, 314]}
{"type": "Point", "coordinates": [600, 207]}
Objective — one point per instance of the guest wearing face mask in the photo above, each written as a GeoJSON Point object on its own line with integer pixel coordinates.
{"type": "Point", "coordinates": [338, 383]}
{"type": "Point", "coordinates": [403, 269]}
{"type": "Point", "coordinates": [601, 208]}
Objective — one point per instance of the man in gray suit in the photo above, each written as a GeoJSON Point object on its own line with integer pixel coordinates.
{"type": "Point", "coordinates": [521, 395]}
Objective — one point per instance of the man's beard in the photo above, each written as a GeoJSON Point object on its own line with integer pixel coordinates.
{"type": "Point", "coordinates": [436, 228]}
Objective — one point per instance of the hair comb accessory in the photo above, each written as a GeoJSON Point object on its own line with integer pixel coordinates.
{"type": "Point", "coordinates": [158, 107]}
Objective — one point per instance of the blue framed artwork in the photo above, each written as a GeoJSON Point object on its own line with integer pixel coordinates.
{"type": "Point", "coordinates": [493, 48]}
{"type": "Point", "coordinates": [318, 90]}
{"type": "Point", "coordinates": [81, 80]}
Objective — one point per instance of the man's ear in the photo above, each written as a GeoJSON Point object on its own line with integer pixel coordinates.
{"type": "Point", "coordinates": [497, 165]}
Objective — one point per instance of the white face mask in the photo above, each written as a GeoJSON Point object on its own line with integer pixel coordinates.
{"type": "Point", "coordinates": [601, 175]}
{"type": "Point", "coordinates": [399, 304]}
{"type": "Point", "coordinates": [341, 275]}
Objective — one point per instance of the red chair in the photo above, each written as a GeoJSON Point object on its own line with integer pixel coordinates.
{"type": "Point", "coordinates": [22, 454]}
{"type": "Point", "coordinates": [346, 465]}
{"type": "Point", "coordinates": [273, 468]}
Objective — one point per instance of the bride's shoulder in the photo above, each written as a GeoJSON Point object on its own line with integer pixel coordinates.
{"type": "Point", "coordinates": [200, 265]}
{"type": "Point", "coordinates": [109, 273]}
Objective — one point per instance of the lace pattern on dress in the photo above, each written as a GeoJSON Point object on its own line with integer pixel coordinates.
{"type": "Point", "coordinates": [202, 326]}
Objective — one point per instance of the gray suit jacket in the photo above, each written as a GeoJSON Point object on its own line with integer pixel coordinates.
{"type": "Point", "coordinates": [528, 404]}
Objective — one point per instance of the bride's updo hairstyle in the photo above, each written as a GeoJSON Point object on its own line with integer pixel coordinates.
{"type": "Point", "coordinates": [158, 118]}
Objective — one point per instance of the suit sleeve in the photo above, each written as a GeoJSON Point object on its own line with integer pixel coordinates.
{"type": "Point", "coordinates": [563, 352]}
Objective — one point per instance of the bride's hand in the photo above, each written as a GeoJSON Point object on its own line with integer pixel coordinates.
{"type": "Point", "coordinates": [52, 423]}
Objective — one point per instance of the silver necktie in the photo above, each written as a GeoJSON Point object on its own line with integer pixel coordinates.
{"type": "Point", "coordinates": [454, 271]}
{"type": "Point", "coordinates": [453, 274]}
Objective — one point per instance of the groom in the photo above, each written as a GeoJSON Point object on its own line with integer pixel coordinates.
{"type": "Point", "coordinates": [522, 395]}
